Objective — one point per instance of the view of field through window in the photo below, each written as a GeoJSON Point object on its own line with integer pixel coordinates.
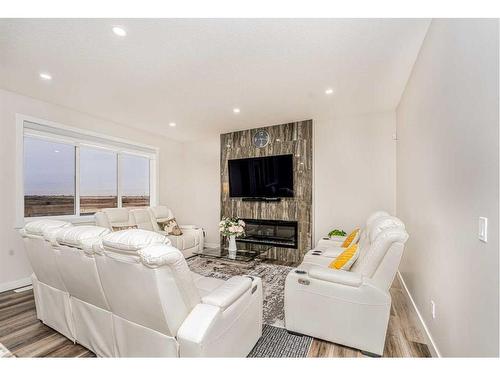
{"type": "Point", "coordinates": [50, 179]}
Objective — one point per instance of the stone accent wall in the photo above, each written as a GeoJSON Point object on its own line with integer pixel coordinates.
{"type": "Point", "coordinates": [292, 138]}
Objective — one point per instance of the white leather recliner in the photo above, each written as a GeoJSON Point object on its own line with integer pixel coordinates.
{"type": "Point", "coordinates": [352, 307]}
{"type": "Point", "coordinates": [191, 240]}
{"type": "Point", "coordinates": [158, 310]}
{"type": "Point", "coordinates": [92, 319]}
{"type": "Point", "coordinates": [51, 296]}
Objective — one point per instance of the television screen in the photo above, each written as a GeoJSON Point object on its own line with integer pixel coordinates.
{"type": "Point", "coordinates": [264, 177]}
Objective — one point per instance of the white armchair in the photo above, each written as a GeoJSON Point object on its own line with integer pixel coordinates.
{"type": "Point", "coordinates": [192, 238]}
{"type": "Point", "coordinates": [352, 307]}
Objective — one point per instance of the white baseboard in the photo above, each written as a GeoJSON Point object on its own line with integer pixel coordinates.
{"type": "Point", "coordinates": [15, 284]}
{"type": "Point", "coordinates": [428, 337]}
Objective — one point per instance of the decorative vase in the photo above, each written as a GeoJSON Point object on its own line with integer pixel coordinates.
{"type": "Point", "coordinates": [232, 247]}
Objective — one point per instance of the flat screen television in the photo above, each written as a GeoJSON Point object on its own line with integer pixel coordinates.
{"type": "Point", "coordinates": [264, 177]}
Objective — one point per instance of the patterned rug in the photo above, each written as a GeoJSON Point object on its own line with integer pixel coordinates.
{"type": "Point", "coordinates": [273, 281]}
{"type": "Point", "coordinates": [278, 343]}
{"type": "Point", "coordinates": [275, 342]}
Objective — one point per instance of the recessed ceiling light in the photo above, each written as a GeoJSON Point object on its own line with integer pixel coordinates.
{"type": "Point", "coordinates": [56, 151]}
{"type": "Point", "coordinates": [120, 31]}
{"type": "Point", "coordinates": [329, 91]}
{"type": "Point", "coordinates": [45, 76]}
{"type": "Point", "coordinates": [236, 110]}
{"type": "Point", "coordinates": [172, 124]}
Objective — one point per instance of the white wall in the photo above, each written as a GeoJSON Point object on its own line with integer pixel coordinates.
{"type": "Point", "coordinates": [201, 186]}
{"type": "Point", "coordinates": [354, 170]}
{"type": "Point", "coordinates": [447, 176]}
{"type": "Point", "coordinates": [13, 263]}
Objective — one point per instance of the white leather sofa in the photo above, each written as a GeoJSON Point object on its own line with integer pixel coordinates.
{"type": "Point", "coordinates": [351, 307]}
{"type": "Point", "coordinates": [191, 240]}
{"type": "Point", "coordinates": [131, 294]}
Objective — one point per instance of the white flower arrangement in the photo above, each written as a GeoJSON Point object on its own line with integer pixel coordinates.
{"type": "Point", "coordinates": [232, 226]}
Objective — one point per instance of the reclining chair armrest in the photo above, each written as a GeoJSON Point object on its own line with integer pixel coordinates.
{"type": "Point", "coordinates": [212, 331]}
{"type": "Point", "coordinates": [336, 276]}
{"type": "Point", "coordinates": [228, 292]}
{"type": "Point", "coordinates": [196, 326]}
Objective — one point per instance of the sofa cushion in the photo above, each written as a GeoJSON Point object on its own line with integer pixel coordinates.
{"type": "Point", "coordinates": [36, 227]}
{"type": "Point", "coordinates": [368, 264]}
{"type": "Point", "coordinates": [383, 223]}
{"type": "Point", "coordinates": [118, 216]}
{"type": "Point", "coordinates": [161, 212]}
{"type": "Point", "coordinates": [142, 218]}
{"type": "Point", "coordinates": [132, 240]}
{"type": "Point", "coordinates": [206, 285]}
{"type": "Point", "coordinates": [80, 236]}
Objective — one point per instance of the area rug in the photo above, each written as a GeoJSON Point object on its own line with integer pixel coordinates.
{"type": "Point", "coordinates": [275, 342]}
{"type": "Point", "coordinates": [278, 343]}
{"type": "Point", "coordinates": [273, 282]}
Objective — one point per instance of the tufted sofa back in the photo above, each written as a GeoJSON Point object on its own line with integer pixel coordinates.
{"type": "Point", "coordinates": [36, 237]}
{"type": "Point", "coordinates": [380, 259]}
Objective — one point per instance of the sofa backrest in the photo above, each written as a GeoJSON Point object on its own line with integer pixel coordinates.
{"type": "Point", "coordinates": [363, 237]}
{"type": "Point", "coordinates": [39, 250]}
{"type": "Point", "coordinates": [113, 217]}
{"type": "Point", "coordinates": [142, 218]}
{"type": "Point", "coordinates": [380, 259]}
{"type": "Point", "coordinates": [159, 212]}
{"type": "Point", "coordinates": [76, 263]}
{"type": "Point", "coordinates": [146, 280]}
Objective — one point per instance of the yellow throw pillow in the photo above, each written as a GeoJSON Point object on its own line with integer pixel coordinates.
{"type": "Point", "coordinates": [351, 238]}
{"type": "Point", "coordinates": [346, 259]}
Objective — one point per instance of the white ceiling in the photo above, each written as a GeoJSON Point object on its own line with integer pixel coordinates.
{"type": "Point", "coordinates": [195, 71]}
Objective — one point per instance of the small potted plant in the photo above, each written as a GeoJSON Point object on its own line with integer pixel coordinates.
{"type": "Point", "coordinates": [337, 235]}
{"type": "Point", "coordinates": [232, 227]}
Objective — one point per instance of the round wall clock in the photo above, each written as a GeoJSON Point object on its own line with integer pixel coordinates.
{"type": "Point", "coordinates": [261, 139]}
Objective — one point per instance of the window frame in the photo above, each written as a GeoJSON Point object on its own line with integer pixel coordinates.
{"type": "Point", "coordinates": [79, 138]}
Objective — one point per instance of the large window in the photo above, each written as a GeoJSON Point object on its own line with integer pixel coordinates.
{"type": "Point", "coordinates": [67, 174]}
{"type": "Point", "coordinates": [135, 180]}
{"type": "Point", "coordinates": [49, 178]}
{"type": "Point", "coordinates": [98, 180]}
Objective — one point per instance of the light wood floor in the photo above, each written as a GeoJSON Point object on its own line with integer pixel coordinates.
{"type": "Point", "coordinates": [25, 336]}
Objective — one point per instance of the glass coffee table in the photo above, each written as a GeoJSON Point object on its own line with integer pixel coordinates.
{"type": "Point", "coordinates": [246, 252]}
